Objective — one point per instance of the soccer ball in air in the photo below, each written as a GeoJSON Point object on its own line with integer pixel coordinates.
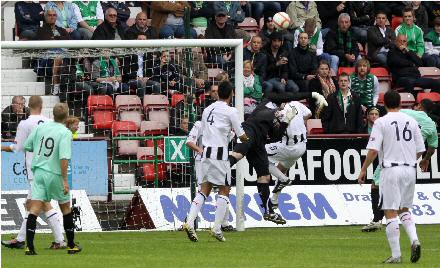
{"type": "Point", "coordinates": [281, 20]}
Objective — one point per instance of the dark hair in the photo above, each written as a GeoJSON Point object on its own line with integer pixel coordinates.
{"type": "Point", "coordinates": [344, 74]}
{"type": "Point", "coordinates": [225, 90]}
{"type": "Point", "coordinates": [427, 105]}
{"type": "Point", "coordinates": [324, 62]}
{"type": "Point", "coordinates": [437, 21]}
{"type": "Point", "coordinates": [409, 9]}
{"type": "Point", "coordinates": [392, 99]}
{"type": "Point", "coordinates": [380, 12]}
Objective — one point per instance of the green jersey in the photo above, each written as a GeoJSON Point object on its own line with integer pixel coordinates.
{"type": "Point", "coordinates": [428, 128]}
{"type": "Point", "coordinates": [50, 142]}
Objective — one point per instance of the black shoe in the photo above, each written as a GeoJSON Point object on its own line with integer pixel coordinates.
{"type": "Point", "coordinates": [14, 243]}
{"type": "Point", "coordinates": [76, 249]}
{"type": "Point", "coordinates": [416, 251]}
{"type": "Point", "coordinates": [279, 186]}
{"type": "Point", "coordinates": [274, 217]}
{"type": "Point", "coordinates": [30, 252]}
{"type": "Point", "coordinates": [228, 228]}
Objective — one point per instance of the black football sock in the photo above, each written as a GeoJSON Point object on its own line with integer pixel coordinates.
{"type": "Point", "coordinates": [377, 212]}
{"type": "Point", "coordinates": [69, 228]}
{"type": "Point", "coordinates": [31, 225]}
{"type": "Point", "coordinates": [264, 192]}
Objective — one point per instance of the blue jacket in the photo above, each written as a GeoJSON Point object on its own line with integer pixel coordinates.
{"type": "Point", "coordinates": [72, 21]}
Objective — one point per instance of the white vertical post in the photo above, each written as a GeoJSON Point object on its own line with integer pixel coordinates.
{"type": "Point", "coordinates": [239, 96]}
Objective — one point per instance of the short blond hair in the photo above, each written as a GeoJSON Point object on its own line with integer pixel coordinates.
{"type": "Point", "coordinates": [60, 112]}
{"type": "Point", "coordinates": [35, 102]}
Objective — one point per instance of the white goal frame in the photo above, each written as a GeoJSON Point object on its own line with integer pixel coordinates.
{"type": "Point", "coordinates": [237, 44]}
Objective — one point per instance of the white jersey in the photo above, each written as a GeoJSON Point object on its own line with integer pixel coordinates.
{"type": "Point", "coordinates": [397, 138]}
{"type": "Point", "coordinates": [218, 119]}
{"type": "Point", "coordinates": [25, 128]}
{"type": "Point", "coordinates": [195, 136]}
{"type": "Point", "coordinates": [297, 127]}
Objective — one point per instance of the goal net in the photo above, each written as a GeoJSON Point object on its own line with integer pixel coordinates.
{"type": "Point", "coordinates": [135, 102]}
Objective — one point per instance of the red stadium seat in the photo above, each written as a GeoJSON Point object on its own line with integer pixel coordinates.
{"type": "Point", "coordinates": [147, 153]}
{"type": "Point", "coordinates": [434, 96]}
{"type": "Point", "coordinates": [348, 70]}
{"type": "Point", "coordinates": [99, 102]}
{"type": "Point", "coordinates": [128, 103]}
{"type": "Point", "coordinates": [162, 116]}
{"type": "Point", "coordinates": [155, 102]}
{"type": "Point", "coordinates": [395, 22]}
{"type": "Point", "coordinates": [103, 119]}
{"type": "Point", "coordinates": [152, 128]}
{"type": "Point", "coordinates": [133, 116]}
{"type": "Point", "coordinates": [381, 95]}
{"type": "Point", "coordinates": [128, 147]}
{"type": "Point", "coordinates": [124, 128]}
{"type": "Point", "coordinates": [314, 126]}
{"type": "Point", "coordinates": [160, 143]}
{"type": "Point", "coordinates": [430, 72]}
{"type": "Point", "coordinates": [149, 173]}
{"type": "Point", "coordinates": [407, 100]}
{"type": "Point", "coordinates": [176, 98]}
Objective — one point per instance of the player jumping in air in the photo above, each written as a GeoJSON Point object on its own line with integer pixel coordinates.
{"type": "Point", "coordinates": [267, 124]}
{"type": "Point", "coordinates": [284, 154]}
{"type": "Point", "coordinates": [218, 119]}
{"type": "Point", "coordinates": [52, 217]}
{"type": "Point", "coordinates": [397, 139]}
{"type": "Point", "coordinates": [51, 144]}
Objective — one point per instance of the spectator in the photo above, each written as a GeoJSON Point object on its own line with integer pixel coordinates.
{"type": "Point", "coordinates": [220, 29]}
{"type": "Point", "coordinates": [315, 36]}
{"type": "Point", "coordinates": [343, 115]}
{"type": "Point", "coordinates": [342, 43]}
{"type": "Point", "coordinates": [66, 17]}
{"type": "Point", "coordinates": [122, 10]}
{"type": "Point", "coordinates": [201, 12]}
{"type": "Point", "coordinates": [365, 84]}
{"type": "Point", "coordinates": [234, 11]}
{"type": "Point", "coordinates": [167, 74]}
{"type": "Point", "coordinates": [253, 91]}
{"type": "Point", "coordinates": [302, 63]}
{"type": "Point", "coordinates": [277, 71]}
{"type": "Point", "coordinates": [110, 29]}
{"type": "Point", "coordinates": [300, 11]}
{"type": "Point", "coordinates": [89, 15]}
{"type": "Point", "coordinates": [403, 65]}
{"type": "Point", "coordinates": [432, 46]}
{"type": "Point", "coordinates": [268, 29]}
{"type": "Point", "coordinates": [413, 32]}
{"type": "Point", "coordinates": [72, 123]}
{"type": "Point", "coordinates": [324, 84]}
{"type": "Point", "coordinates": [105, 70]}
{"type": "Point", "coordinates": [140, 27]}
{"type": "Point", "coordinates": [212, 95]}
{"type": "Point", "coordinates": [373, 113]}
{"type": "Point", "coordinates": [12, 115]}
{"type": "Point", "coordinates": [258, 58]}
{"type": "Point", "coordinates": [420, 14]}
{"type": "Point", "coordinates": [433, 10]}
{"type": "Point", "coordinates": [254, 9]}
{"type": "Point", "coordinates": [28, 16]}
{"type": "Point", "coordinates": [191, 66]}
{"type": "Point", "coordinates": [391, 8]}
{"type": "Point", "coordinates": [362, 17]}
{"type": "Point", "coordinates": [50, 31]}
{"type": "Point", "coordinates": [167, 19]}
{"type": "Point", "coordinates": [380, 38]}
{"type": "Point", "coordinates": [329, 12]}
{"type": "Point", "coordinates": [137, 71]}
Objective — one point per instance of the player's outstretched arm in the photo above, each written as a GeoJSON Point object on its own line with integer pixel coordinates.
{"type": "Point", "coordinates": [194, 147]}
{"type": "Point", "coordinates": [371, 155]}
{"type": "Point", "coordinates": [278, 98]}
{"type": "Point", "coordinates": [424, 163]}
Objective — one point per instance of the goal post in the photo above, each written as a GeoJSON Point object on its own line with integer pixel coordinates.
{"type": "Point", "coordinates": [236, 44]}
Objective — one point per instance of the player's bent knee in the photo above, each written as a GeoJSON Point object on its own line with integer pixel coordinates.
{"type": "Point", "coordinates": [263, 179]}
{"type": "Point", "coordinates": [224, 190]}
{"type": "Point", "coordinates": [47, 206]}
{"type": "Point", "coordinates": [65, 208]}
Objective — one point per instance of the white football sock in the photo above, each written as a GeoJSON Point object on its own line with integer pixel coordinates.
{"type": "Point", "coordinates": [22, 233]}
{"type": "Point", "coordinates": [226, 218]}
{"type": "Point", "coordinates": [409, 225]}
{"type": "Point", "coordinates": [196, 206]}
{"type": "Point", "coordinates": [222, 206]}
{"type": "Point", "coordinates": [277, 173]}
{"type": "Point", "coordinates": [393, 235]}
{"type": "Point", "coordinates": [53, 219]}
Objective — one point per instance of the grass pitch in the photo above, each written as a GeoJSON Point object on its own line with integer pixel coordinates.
{"type": "Point", "coordinates": [344, 246]}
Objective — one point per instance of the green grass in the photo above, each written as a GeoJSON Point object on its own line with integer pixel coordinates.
{"type": "Point", "coordinates": [265, 247]}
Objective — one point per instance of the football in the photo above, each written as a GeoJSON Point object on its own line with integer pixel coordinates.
{"type": "Point", "coordinates": [281, 20]}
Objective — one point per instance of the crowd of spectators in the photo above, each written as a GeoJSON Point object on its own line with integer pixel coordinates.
{"type": "Point", "coordinates": [322, 37]}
